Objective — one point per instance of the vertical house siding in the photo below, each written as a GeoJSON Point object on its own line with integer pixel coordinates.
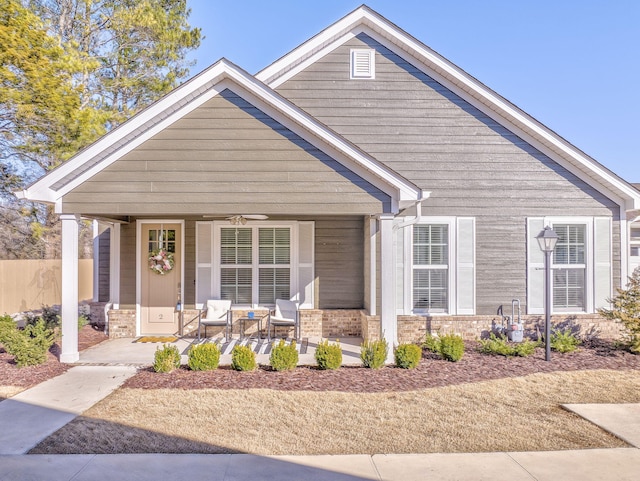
{"type": "Point", "coordinates": [104, 266]}
{"type": "Point", "coordinates": [473, 166]}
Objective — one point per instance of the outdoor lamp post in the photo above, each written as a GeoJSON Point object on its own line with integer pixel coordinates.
{"type": "Point", "coordinates": [547, 240]}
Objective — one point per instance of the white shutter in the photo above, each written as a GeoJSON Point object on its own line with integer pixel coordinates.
{"type": "Point", "coordinates": [465, 265]}
{"type": "Point", "coordinates": [602, 261]}
{"type": "Point", "coordinates": [204, 262]}
{"type": "Point", "coordinates": [535, 267]}
{"type": "Point", "coordinates": [305, 265]}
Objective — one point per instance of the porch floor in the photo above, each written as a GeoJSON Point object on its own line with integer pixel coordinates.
{"type": "Point", "coordinates": [126, 351]}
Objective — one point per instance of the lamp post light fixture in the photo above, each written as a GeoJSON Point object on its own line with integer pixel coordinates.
{"type": "Point", "coordinates": [547, 240]}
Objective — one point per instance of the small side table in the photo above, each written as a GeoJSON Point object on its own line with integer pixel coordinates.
{"type": "Point", "coordinates": [244, 319]}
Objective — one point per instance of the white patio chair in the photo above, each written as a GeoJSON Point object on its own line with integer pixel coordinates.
{"type": "Point", "coordinates": [285, 314]}
{"type": "Point", "coordinates": [218, 314]}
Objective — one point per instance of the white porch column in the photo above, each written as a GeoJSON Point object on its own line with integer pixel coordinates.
{"type": "Point", "coordinates": [388, 318]}
{"type": "Point", "coordinates": [114, 266]}
{"type": "Point", "coordinates": [69, 288]}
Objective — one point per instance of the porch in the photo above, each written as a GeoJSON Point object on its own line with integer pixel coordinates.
{"type": "Point", "coordinates": [128, 351]}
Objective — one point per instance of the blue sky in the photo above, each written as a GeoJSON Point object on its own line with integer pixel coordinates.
{"type": "Point", "coordinates": [573, 65]}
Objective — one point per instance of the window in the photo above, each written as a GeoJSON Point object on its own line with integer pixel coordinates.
{"type": "Point", "coordinates": [436, 266]}
{"type": "Point", "coordinates": [635, 242]}
{"type": "Point", "coordinates": [245, 264]}
{"type": "Point", "coordinates": [363, 64]}
{"type": "Point", "coordinates": [569, 267]}
{"type": "Point", "coordinates": [162, 239]}
{"type": "Point", "coordinates": [582, 267]}
{"type": "Point", "coordinates": [431, 267]}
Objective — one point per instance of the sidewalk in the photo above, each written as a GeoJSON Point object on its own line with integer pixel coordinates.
{"type": "Point", "coordinates": [589, 465]}
{"type": "Point", "coordinates": [32, 415]}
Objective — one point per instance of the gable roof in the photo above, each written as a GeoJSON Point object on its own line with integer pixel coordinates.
{"type": "Point", "coordinates": [365, 20]}
{"type": "Point", "coordinates": [220, 76]}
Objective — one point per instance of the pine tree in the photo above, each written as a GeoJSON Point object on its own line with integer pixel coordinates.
{"type": "Point", "coordinates": [626, 310]}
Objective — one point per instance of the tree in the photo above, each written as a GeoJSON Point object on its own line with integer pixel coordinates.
{"type": "Point", "coordinates": [71, 70]}
{"type": "Point", "coordinates": [626, 310]}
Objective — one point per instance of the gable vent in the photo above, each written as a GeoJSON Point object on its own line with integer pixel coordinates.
{"type": "Point", "coordinates": [363, 64]}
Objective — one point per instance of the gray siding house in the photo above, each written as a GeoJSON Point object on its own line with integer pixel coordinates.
{"type": "Point", "coordinates": [362, 175]}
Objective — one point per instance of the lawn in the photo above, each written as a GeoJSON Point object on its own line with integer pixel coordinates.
{"type": "Point", "coordinates": [508, 414]}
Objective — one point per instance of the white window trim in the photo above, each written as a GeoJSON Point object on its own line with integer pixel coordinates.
{"type": "Point", "coordinates": [452, 266]}
{"type": "Point", "coordinates": [215, 264]}
{"type": "Point", "coordinates": [588, 222]}
{"type": "Point", "coordinates": [355, 75]}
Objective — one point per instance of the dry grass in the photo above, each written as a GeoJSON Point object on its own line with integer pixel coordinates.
{"type": "Point", "coordinates": [10, 391]}
{"type": "Point", "coordinates": [517, 414]}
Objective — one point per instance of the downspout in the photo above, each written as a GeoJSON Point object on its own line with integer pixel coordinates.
{"type": "Point", "coordinates": [424, 195]}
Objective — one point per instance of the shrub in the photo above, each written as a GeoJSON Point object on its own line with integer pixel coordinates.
{"type": "Point", "coordinates": [28, 346]}
{"type": "Point", "coordinates": [451, 347]}
{"type": "Point", "coordinates": [432, 343]}
{"type": "Point", "coordinates": [564, 341]}
{"type": "Point", "coordinates": [625, 308]}
{"type": "Point", "coordinates": [374, 353]}
{"type": "Point", "coordinates": [499, 346]}
{"type": "Point", "coordinates": [283, 357]}
{"type": "Point", "coordinates": [408, 355]}
{"type": "Point", "coordinates": [50, 315]}
{"type": "Point", "coordinates": [243, 358]}
{"type": "Point", "coordinates": [328, 356]}
{"type": "Point", "coordinates": [166, 359]}
{"type": "Point", "coordinates": [6, 324]}
{"type": "Point", "coordinates": [204, 357]}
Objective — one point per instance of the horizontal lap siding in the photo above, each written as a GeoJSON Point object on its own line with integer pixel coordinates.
{"type": "Point", "coordinates": [472, 165]}
{"type": "Point", "coordinates": [339, 262]}
{"type": "Point", "coordinates": [226, 157]}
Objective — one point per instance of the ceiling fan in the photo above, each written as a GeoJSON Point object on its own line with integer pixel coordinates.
{"type": "Point", "coordinates": [239, 219]}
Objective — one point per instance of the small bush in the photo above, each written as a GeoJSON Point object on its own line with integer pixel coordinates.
{"type": "Point", "coordinates": [451, 347]}
{"type": "Point", "coordinates": [499, 346]}
{"type": "Point", "coordinates": [283, 357]}
{"type": "Point", "coordinates": [432, 343]}
{"type": "Point", "coordinates": [50, 315]}
{"type": "Point", "coordinates": [28, 346]}
{"type": "Point", "coordinates": [408, 355]}
{"type": "Point", "coordinates": [204, 357]}
{"type": "Point", "coordinates": [328, 356]}
{"type": "Point", "coordinates": [243, 358]}
{"type": "Point", "coordinates": [166, 359]}
{"type": "Point", "coordinates": [564, 341]}
{"type": "Point", "coordinates": [625, 309]}
{"type": "Point", "coordinates": [374, 353]}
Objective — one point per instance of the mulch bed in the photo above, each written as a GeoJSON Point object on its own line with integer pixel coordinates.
{"type": "Point", "coordinates": [431, 372]}
{"type": "Point", "coordinates": [26, 377]}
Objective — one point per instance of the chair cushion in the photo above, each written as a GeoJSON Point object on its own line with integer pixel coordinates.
{"type": "Point", "coordinates": [286, 309]}
{"type": "Point", "coordinates": [217, 309]}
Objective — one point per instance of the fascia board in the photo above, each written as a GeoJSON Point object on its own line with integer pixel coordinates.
{"type": "Point", "coordinates": [461, 83]}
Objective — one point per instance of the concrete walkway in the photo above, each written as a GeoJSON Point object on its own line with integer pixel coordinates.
{"type": "Point", "coordinates": [34, 414]}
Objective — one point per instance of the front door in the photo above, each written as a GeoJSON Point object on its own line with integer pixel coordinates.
{"type": "Point", "coordinates": [160, 279]}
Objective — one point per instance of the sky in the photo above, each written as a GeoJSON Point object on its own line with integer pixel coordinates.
{"type": "Point", "coordinates": [572, 65]}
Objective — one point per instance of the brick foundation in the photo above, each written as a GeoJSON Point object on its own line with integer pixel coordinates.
{"type": "Point", "coordinates": [122, 323]}
{"type": "Point", "coordinates": [414, 328]}
{"type": "Point", "coordinates": [356, 323]}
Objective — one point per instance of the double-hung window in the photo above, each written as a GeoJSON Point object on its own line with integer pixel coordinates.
{"type": "Point", "coordinates": [255, 264]}
{"type": "Point", "coordinates": [581, 263]}
{"type": "Point", "coordinates": [431, 267]}
{"type": "Point", "coordinates": [436, 266]}
{"type": "Point", "coordinates": [569, 267]}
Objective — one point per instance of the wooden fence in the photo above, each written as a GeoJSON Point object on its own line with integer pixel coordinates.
{"type": "Point", "coordinates": [31, 284]}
